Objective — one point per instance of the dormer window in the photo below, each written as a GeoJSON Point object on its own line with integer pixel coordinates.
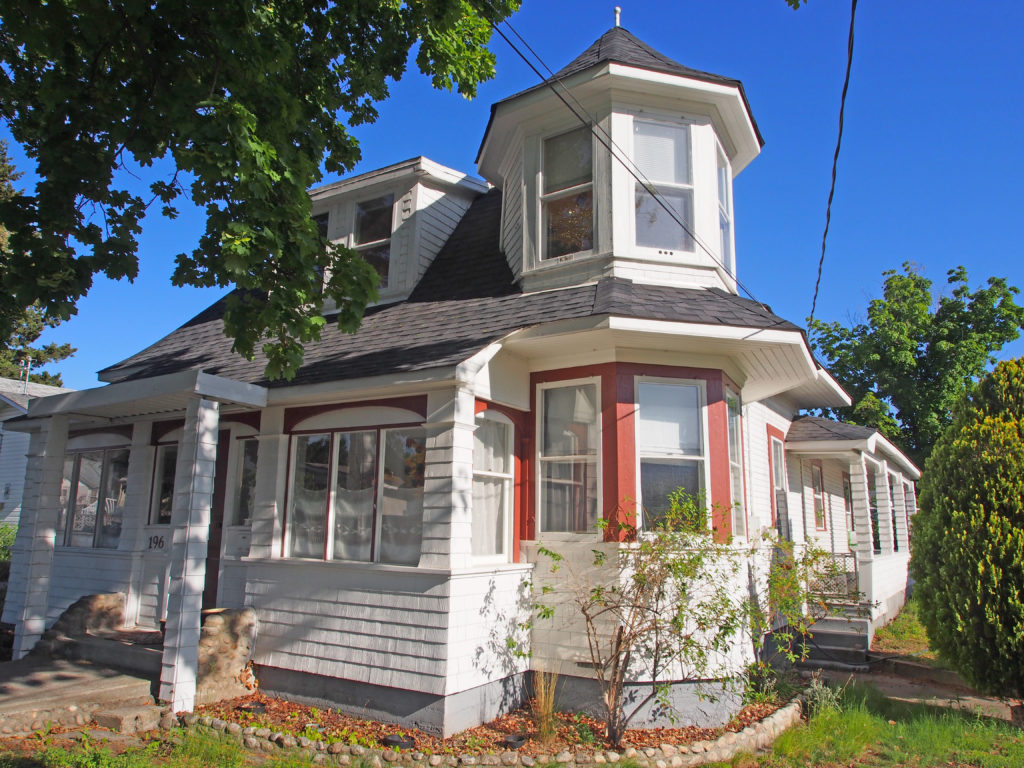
{"type": "Point", "coordinates": [372, 233]}
{"type": "Point", "coordinates": [567, 197]}
{"type": "Point", "coordinates": [662, 155]}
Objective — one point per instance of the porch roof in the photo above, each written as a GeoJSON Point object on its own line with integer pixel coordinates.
{"type": "Point", "coordinates": [160, 394]}
{"type": "Point", "coordinates": [817, 436]}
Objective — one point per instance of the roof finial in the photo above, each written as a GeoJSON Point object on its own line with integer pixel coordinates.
{"type": "Point", "coordinates": [618, 13]}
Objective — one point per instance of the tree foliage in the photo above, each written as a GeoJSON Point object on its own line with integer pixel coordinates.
{"type": "Point", "coordinates": [27, 326]}
{"type": "Point", "coordinates": [968, 555]}
{"type": "Point", "coordinates": [243, 102]}
{"type": "Point", "coordinates": [909, 363]}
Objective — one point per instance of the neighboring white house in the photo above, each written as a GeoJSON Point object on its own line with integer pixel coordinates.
{"type": "Point", "coordinates": [551, 347]}
{"type": "Point", "coordinates": [14, 398]}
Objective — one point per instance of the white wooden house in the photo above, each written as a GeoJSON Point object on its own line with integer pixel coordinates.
{"type": "Point", "coordinates": [550, 347]}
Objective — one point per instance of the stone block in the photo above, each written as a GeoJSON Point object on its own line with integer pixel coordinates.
{"type": "Point", "coordinates": [128, 719]}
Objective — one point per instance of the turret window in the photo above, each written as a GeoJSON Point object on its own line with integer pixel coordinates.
{"type": "Point", "coordinates": [725, 214]}
{"type": "Point", "coordinates": [662, 156]}
{"type": "Point", "coordinates": [567, 199]}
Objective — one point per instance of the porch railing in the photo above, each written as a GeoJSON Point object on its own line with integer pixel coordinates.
{"type": "Point", "coordinates": [836, 578]}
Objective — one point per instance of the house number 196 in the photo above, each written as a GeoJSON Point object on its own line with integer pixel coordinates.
{"type": "Point", "coordinates": [156, 542]}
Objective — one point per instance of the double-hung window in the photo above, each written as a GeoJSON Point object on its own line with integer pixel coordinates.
{"type": "Point", "coordinates": [493, 476]}
{"type": "Point", "coordinates": [725, 213]}
{"type": "Point", "coordinates": [739, 516]}
{"type": "Point", "coordinates": [779, 492]}
{"type": "Point", "coordinates": [322, 222]}
{"type": "Point", "coordinates": [358, 495]}
{"type": "Point", "coordinates": [570, 437]}
{"type": "Point", "coordinates": [96, 484]}
{"type": "Point", "coordinates": [567, 193]}
{"type": "Point", "coordinates": [371, 236]}
{"type": "Point", "coordinates": [671, 444]}
{"type": "Point", "coordinates": [818, 491]}
{"type": "Point", "coordinates": [662, 156]}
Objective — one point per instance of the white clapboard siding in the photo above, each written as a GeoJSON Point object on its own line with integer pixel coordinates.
{"type": "Point", "coordinates": [13, 452]}
{"type": "Point", "coordinates": [438, 214]}
{"type": "Point", "coordinates": [378, 627]}
{"type": "Point", "coordinates": [487, 611]}
{"type": "Point", "coordinates": [151, 590]}
{"type": "Point", "coordinates": [231, 584]}
{"type": "Point", "coordinates": [512, 220]}
{"type": "Point", "coordinates": [81, 572]}
{"type": "Point", "coordinates": [757, 418]}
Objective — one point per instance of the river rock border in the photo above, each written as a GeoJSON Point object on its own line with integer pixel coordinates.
{"type": "Point", "coordinates": [751, 739]}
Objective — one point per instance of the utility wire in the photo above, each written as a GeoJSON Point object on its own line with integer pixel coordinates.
{"type": "Point", "coordinates": [835, 159]}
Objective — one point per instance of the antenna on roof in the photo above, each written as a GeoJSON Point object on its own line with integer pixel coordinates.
{"type": "Point", "coordinates": [618, 13]}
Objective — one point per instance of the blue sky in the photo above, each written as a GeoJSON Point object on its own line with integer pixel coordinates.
{"type": "Point", "coordinates": [929, 171]}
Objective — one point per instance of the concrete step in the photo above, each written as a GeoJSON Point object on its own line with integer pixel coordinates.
{"type": "Point", "coordinates": [850, 625]}
{"type": "Point", "coordinates": [130, 719]}
{"type": "Point", "coordinates": [838, 640]}
{"type": "Point", "coordinates": [35, 692]}
{"type": "Point", "coordinates": [825, 652]}
{"type": "Point", "coordinates": [127, 657]}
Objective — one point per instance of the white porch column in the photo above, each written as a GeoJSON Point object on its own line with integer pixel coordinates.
{"type": "Point", "coordinates": [37, 530]}
{"type": "Point", "coordinates": [448, 480]}
{"type": "Point", "coordinates": [271, 473]}
{"type": "Point", "coordinates": [190, 533]}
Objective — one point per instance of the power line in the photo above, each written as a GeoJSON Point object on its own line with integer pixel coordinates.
{"type": "Point", "coordinates": [835, 159]}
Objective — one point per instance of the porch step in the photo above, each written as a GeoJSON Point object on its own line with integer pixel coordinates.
{"type": "Point", "coordinates": [130, 719]}
{"type": "Point", "coordinates": [847, 625]}
{"type": "Point", "coordinates": [109, 651]}
{"type": "Point", "coordinates": [36, 691]}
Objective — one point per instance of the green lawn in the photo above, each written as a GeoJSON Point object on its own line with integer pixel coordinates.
{"type": "Point", "coordinates": [905, 636]}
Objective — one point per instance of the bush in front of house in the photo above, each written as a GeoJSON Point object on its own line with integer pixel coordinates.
{"type": "Point", "coordinates": [968, 537]}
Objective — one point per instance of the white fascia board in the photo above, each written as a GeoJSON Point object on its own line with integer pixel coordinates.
{"type": "Point", "coordinates": [416, 167]}
{"type": "Point", "coordinates": [365, 388]}
{"type": "Point", "coordinates": [829, 381]}
{"type": "Point", "coordinates": [708, 331]}
{"type": "Point", "coordinates": [880, 444]}
{"type": "Point", "coordinates": [818, 447]}
{"type": "Point", "coordinates": [180, 383]}
{"type": "Point", "coordinates": [726, 97]}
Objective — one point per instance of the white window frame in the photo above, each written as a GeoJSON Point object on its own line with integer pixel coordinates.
{"type": "Point", "coordinates": [727, 245]}
{"type": "Point", "coordinates": [544, 198]}
{"type": "Point", "coordinates": [392, 281]}
{"type": "Point", "coordinates": [738, 496]}
{"type": "Point", "coordinates": [819, 469]}
{"type": "Point", "coordinates": [64, 535]}
{"type": "Point", "coordinates": [154, 502]}
{"type": "Point", "coordinates": [378, 495]}
{"type": "Point", "coordinates": [599, 458]}
{"type": "Point", "coordinates": [779, 469]}
{"type": "Point", "coordinates": [705, 475]}
{"type": "Point", "coordinates": [234, 479]}
{"type": "Point", "coordinates": [652, 251]}
{"type": "Point", "coordinates": [508, 478]}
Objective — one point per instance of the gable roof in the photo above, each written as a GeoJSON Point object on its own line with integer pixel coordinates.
{"type": "Point", "coordinates": [446, 320]}
{"type": "Point", "coordinates": [805, 428]}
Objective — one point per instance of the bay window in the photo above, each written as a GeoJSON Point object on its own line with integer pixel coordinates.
{"type": "Point", "coordinates": [661, 152]}
{"type": "Point", "coordinates": [570, 436]}
{"type": "Point", "coordinates": [492, 486]}
{"type": "Point", "coordinates": [96, 485]}
{"type": "Point", "coordinates": [670, 444]}
{"type": "Point", "coordinates": [358, 495]}
{"type": "Point", "coordinates": [739, 515]}
{"type": "Point", "coordinates": [245, 496]}
{"type": "Point", "coordinates": [567, 196]}
{"type": "Point", "coordinates": [818, 491]}
{"type": "Point", "coordinates": [371, 234]}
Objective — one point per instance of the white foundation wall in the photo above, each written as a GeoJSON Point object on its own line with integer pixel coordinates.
{"type": "Point", "coordinates": [13, 462]}
{"type": "Point", "coordinates": [369, 624]}
{"type": "Point", "coordinates": [77, 573]}
{"type": "Point", "coordinates": [487, 611]}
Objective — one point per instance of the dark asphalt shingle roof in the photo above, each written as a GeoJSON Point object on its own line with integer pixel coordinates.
{"type": "Point", "coordinates": [817, 428]}
{"type": "Point", "coordinates": [621, 46]}
{"type": "Point", "coordinates": [466, 300]}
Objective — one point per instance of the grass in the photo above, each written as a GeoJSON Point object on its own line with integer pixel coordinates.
{"type": "Point", "coordinates": [905, 636]}
{"type": "Point", "coordinates": [867, 729]}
